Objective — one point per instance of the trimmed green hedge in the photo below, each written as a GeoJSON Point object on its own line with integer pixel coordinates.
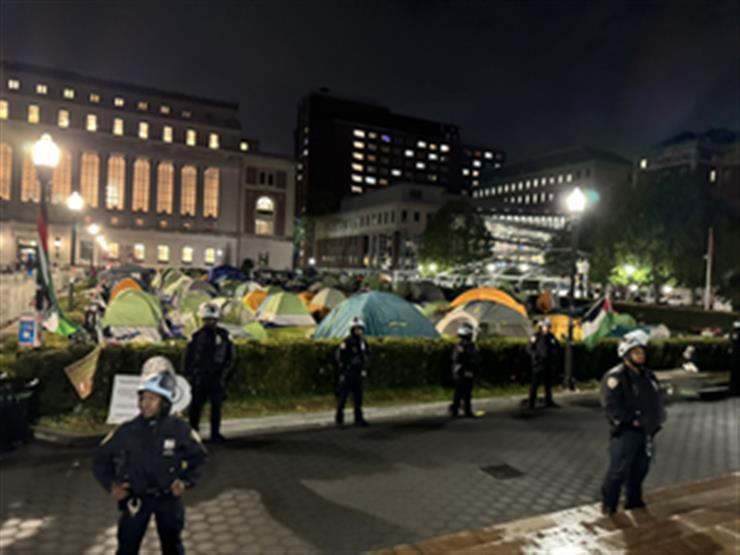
{"type": "Point", "coordinates": [288, 367]}
{"type": "Point", "coordinates": [682, 318]}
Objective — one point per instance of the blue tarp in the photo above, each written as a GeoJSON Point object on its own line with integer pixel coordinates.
{"type": "Point", "coordinates": [225, 272]}
{"type": "Point", "coordinates": [384, 314]}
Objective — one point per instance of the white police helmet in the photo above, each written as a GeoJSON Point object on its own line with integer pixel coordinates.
{"type": "Point", "coordinates": [465, 330]}
{"type": "Point", "coordinates": [162, 383]}
{"type": "Point", "coordinates": [357, 323]}
{"type": "Point", "coordinates": [545, 322]}
{"type": "Point", "coordinates": [156, 365]}
{"type": "Point", "coordinates": [635, 338]}
{"type": "Point", "coordinates": [209, 310]}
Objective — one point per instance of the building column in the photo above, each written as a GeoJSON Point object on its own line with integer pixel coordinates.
{"type": "Point", "coordinates": [103, 180]}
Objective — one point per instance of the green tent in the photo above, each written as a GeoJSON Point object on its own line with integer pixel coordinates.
{"type": "Point", "coordinates": [491, 318]}
{"type": "Point", "coordinates": [326, 299]}
{"type": "Point", "coordinates": [235, 318]}
{"type": "Point", "coordinates": [284, 309]}
{"type": "Point", "coordinates": [384, 314]}
{"type": "Point", "coordinates": [191, 301]}
{"type": "Point", "coordinates": [175, 289]}
{"type": "Point", "coordinates": [133, 308]}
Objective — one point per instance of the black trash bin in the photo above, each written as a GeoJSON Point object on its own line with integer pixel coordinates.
{"type": "Point", "coordinates": [17, 410]}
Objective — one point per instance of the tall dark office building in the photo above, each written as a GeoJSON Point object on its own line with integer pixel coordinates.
{"type": "Point", "coordinates": [345, 146]}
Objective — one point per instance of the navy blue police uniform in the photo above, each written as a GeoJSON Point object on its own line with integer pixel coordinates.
{"type": "Point", "coordinates": [544, 351]}
{"type": "Point", "coordinates": [353, 357]}
{"type": "Point", "coordinates": [466, 362]}
{"type": "Point", "coordinates": [634, 409]}
{"type": "Point", "coordinates": [149, 455]}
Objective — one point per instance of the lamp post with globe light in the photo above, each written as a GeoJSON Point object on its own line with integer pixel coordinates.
{"type": "Point", "coordinates": [576, 204]}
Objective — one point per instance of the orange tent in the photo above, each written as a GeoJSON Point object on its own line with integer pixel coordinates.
{"type": "Point", "coordinates": [124, 285]}
{"type": "Point", "coordinates": [559, 327]}
{"type": "Point", "coordinates": [489, 294]}
{"type": "Point", "coordinates": [306, 297]}
{"type": "Point", "coordinates": [254, 299]}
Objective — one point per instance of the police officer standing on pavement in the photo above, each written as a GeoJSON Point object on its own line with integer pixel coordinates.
{"type": "Point", "coordinates": [735, 360]}
{"type": "Point", "coordinates": [544, 350]}
{"type": "Point", "coordinates": [209, 359]}
{"type": "Point", "coordinates": [634, 407]}
{"type": "Point", "coordinates": [147, 464]}
{"type": "Point", "coordinates": [465, 364]}
{"type": "Point", "coordinates": [353, 357]}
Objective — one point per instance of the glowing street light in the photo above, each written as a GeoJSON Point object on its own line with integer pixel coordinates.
{"type": "Point", "coordinates": [93, 229]}
{"type": "Point", "coordinates": [576, 201]}
{"type": "Point", "coordinates": [433, 267]}
{"type": "Point", "coordinates": [75, 202]}
{"type": "Point", "coordinates": [629, 269]}
{"type": "Point", "coordinates": [45, 152]}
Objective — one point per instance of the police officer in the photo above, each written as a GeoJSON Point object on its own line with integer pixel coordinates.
{"type": "Point", "coordinates": [735, 360]}
{"type": "Point", "coordinates": [634, 407]}
{"type": "Point", "coordinates": [209, 359]}
{"type": "Point", "coordinates": [544, 351]}
{"type": "Point", "coordinates": [353, 356]}
{"type": "Point", "coordinates": [147, 463]}
{"type": "Point", "coordinates": [465, 364]}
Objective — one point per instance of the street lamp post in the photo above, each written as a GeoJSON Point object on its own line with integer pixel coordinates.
{"type": "Point", "coordinates": [93, 229]}
{"type": "Point", "coordinates": [576, 203]}
{"type": "Point", "coordinates": [75, 203]}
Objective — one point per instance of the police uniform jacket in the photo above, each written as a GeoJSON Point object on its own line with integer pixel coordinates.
{"type": "Point", "coordinates": [149, 454]}
{"type": "Point", "coordinates": [353, 355]}
{"type": "Point", "coordinates": [210, 355]}
{"type": "Point", "coordinates": [543, 349]}
{"type": "Point", "coordinates": [465, 360]}
{"type": "Point", "coordinates": [629, 397]}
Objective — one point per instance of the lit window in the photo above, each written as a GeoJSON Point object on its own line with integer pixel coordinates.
{"type": "Point", "coordinates": [408, 153]}
{"type": "Point", "coordinates": [63, 118]}
{"type": "Point", "coordinates": [396, 172]}
{"type": "Point", "coordinates": [191, 137]}
{"type": "Point", "coordinates": [359, 133]}
{"type": "Point", "coordinates": [712, 176]}
{"type": "Point", "coordinates": [167, 134]}
{"type": "Point", "coordinates": [113, 251]}
{"type": "Point", "coordinates": [357, 167]}
{"type": "Point", "coordinates": [119, 102]}
{"type": "Point", "coordinates": [488, 155]}
{"type": "Point", "coordinates": [476, 173]}
{"type": "Point", "coordinates": [356, 178]}
{"type": "Point", "coordinates": [94, 98]}
{"type": "Point", "coordinates": [30, 190]}
{"type": "Point", "coordinates": [61, 180]}
{"type": "Point", "coordinates": [536, 183]}
{"type": "Point", "coordinates": [356, 189]}
{"type": "Point", "coordinates": [141, 105]}
{"type": "Point", "coordinates": [210, 255]}
{"type": "Point", "coordinates": [139, 252]}
{"type": "Point", "coordinates": [143, 130]}
{"type": "Point", "coordinates": [521, 186]}
{"type": "Point", "coordinates": [186, 113]}
{"type": "Point", "coordinates": [552, 180]}
{"type": "Point", "coordinates": [189, 178]}
{"type": "Point", "coordinates": [358, 144]}
{"type": "Point", "coordinates": [263, 227]}
{"type": "Point", "coordinates": [14, 84]}
{"type": "Point", "coordinates": [41, 89]}
{"type": "Point", "coordinates": [117, 126]}
{"type": "Point", "coordinates": [211, 187]}
{"type": "Point", "coordinates": [385, 138]}
{"type": "Point", "coordinates": [444, 148]}
{"type": "Point", "coordinates": [34, 114]}
{"type": "Point", "coordinates": [476, 183]}
{"type": "Point", "coordinates": [140, 196]}
{"type": "Point", "coordinates": [187, 255]}
{"type": "Point", "coordinates": [244, 145]}
{"type": "Point", "coordinates": [433, 156]}
{"type": "Point", "coordinates": [420, 165]}
{"type": "Point", "coordinates": [213, 141]}
{"type": "Point", "coordinates": [421, 144]}
{"type": "Point", "coordinates": [4, 108]}
{"type": "Point", "coordinates": [643, 164]}
{"type": "Point", "coordinates": [358, 156]}
{"type": "Point", "coordinates": [164, 109]}
{"type": "Point", "coordinates": [560, 178]}
{"type": "Point", "coordinates": [476, 163]}
{"type": "Point", "coordinates": [6, 170]}
{"type": "Point", "coordinates": [114, 191]}
{"type": "Point", "coordinates": [551, 196]}
{"type": "Point", "coordinates": [569, 177]}
{"type": "Point", "coordinates": [91, 123]}
{"type": "Point", "coordinates": [370, 180]}
{"type": "Point", "coordinates": [165, 185]}
{"type": "Point", "coordinates": [89, 178]}
{"type": "Point", "coordinates": [432, 146]}
{"type": "Point", "coordinates": [465, 171]}
{"type": "Point", "coordinates": [372, 135]}
{"type": "Point", "coordinates": [163, 253]}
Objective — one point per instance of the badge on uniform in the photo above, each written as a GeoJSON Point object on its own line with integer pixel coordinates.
{"type": "Point", "coordinates": [218, 340]}
{"type": "Point", "coordinates": [169, 447]}
{"type": "Point", "coordinates": [612, 382]}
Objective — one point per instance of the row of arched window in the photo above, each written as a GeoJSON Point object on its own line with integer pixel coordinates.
{"type": "Point", "coordinates": [61, 185]}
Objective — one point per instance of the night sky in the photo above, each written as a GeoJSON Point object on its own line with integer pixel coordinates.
{"type": "Point", "coordinates": [528, 77]}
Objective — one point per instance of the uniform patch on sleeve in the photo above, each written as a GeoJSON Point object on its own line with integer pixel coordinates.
{"type": "Point", "coordinates": [196, 436]}
{"type": "Point", "coordinates": [107, 438]}
{"type": "Point", "coordinates": [612, 382]}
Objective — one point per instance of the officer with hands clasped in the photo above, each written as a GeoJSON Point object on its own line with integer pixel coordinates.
{"type": "Point", "coordinates": [147, 464]}
{"type": "Point", "coordinates": [634, 407]}
{"type": "Point", "coordinates": [353, 357]}
{"type": "Point", "coordinates": [466, 362]}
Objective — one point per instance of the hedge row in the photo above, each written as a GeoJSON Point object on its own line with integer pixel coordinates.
{"type": "Point", "coordinates": [290, 367]}
{"type": "Point", "coordinates": [685, 318]}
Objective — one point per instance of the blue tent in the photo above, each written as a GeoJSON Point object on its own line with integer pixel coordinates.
{"type": "Point", "coordinates": [225, 272]}
{"type": "Point", "coordinates": [384, 314]}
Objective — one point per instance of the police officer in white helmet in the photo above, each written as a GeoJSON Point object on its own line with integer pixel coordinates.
{"type": "Point", "coordinates": [466, 363]}
{"type": "Point", "coordinates": [634, 408]}
{"type": "Point", "coordinates": [353, 357]}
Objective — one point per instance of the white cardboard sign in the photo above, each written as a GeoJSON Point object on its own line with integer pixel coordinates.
{"type": "Point", "coordinates": [124, 402]}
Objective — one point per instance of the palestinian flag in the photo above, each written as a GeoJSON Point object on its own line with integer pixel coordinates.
{"type": "Point", "coordinates": [81, 373]}
{"type": "Point", "coordinates": [46, 298]}
{"type": "Point", "coordinates": [602, 321]}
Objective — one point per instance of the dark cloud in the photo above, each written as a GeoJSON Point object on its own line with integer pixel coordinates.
{"type": "Point", "coordinates": [521, 75]}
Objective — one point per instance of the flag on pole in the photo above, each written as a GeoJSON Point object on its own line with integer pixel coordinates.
{"type": "Point", "coordinates": [46, 299]}
{"type": "Point", "coordinates": [82, 372]}
{"type": "Point", "coordinates": [602, 321]}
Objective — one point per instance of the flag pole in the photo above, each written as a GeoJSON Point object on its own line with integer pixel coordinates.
{"type": "Point", "coordinates": [708, 277]}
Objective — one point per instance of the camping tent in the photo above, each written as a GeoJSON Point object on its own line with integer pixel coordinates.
{"type": "Point", "coordinates": [253, 299]}
{"type": "Point", "coordinates": [225, 271]}
{"type": "Point", "coordinates": [284, 309]}
{"type": "Point", "coordinates": [246, 287]}
{"type": "Point", "coordinates": [383, 313]}
{"type": "Point", "coordinates": [204, 287]}
{"type": "Point", "coordinates": [306, 297]}
{"type": "Point", "coordinates": [559, 327]}
{"type": "Point", "coordinates": [489, 294]}
{"type": "Point", "coordinates": [427, 292]}
{"type": "Point", "coordinates": [124, 285]}
{"type": "Point", "coordinates": [326, 300]}
{"type": "Point", "coordinates": [133, 315]}
{"type": "Point", "coordinates": [490, 318]}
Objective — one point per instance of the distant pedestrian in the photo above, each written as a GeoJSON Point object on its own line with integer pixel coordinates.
{"type": "Point", "coordinates": [147, 464]}
{"type": "Point", "coordinates": [353, 357]}
{"type": "Point", "coordinates": [544, 351]}
{"type": "Point", "coordinates": [735, 360]}
{"type": "Point", "coordinates": [634, 407]}
{"type": "Point", "coordinates": [209, 360]}
{"type": "Point", "coordinates": [466, 363]}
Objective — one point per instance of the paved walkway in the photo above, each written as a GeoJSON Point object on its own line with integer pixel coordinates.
{"type": "Point", "coordinates": [347, 491]}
